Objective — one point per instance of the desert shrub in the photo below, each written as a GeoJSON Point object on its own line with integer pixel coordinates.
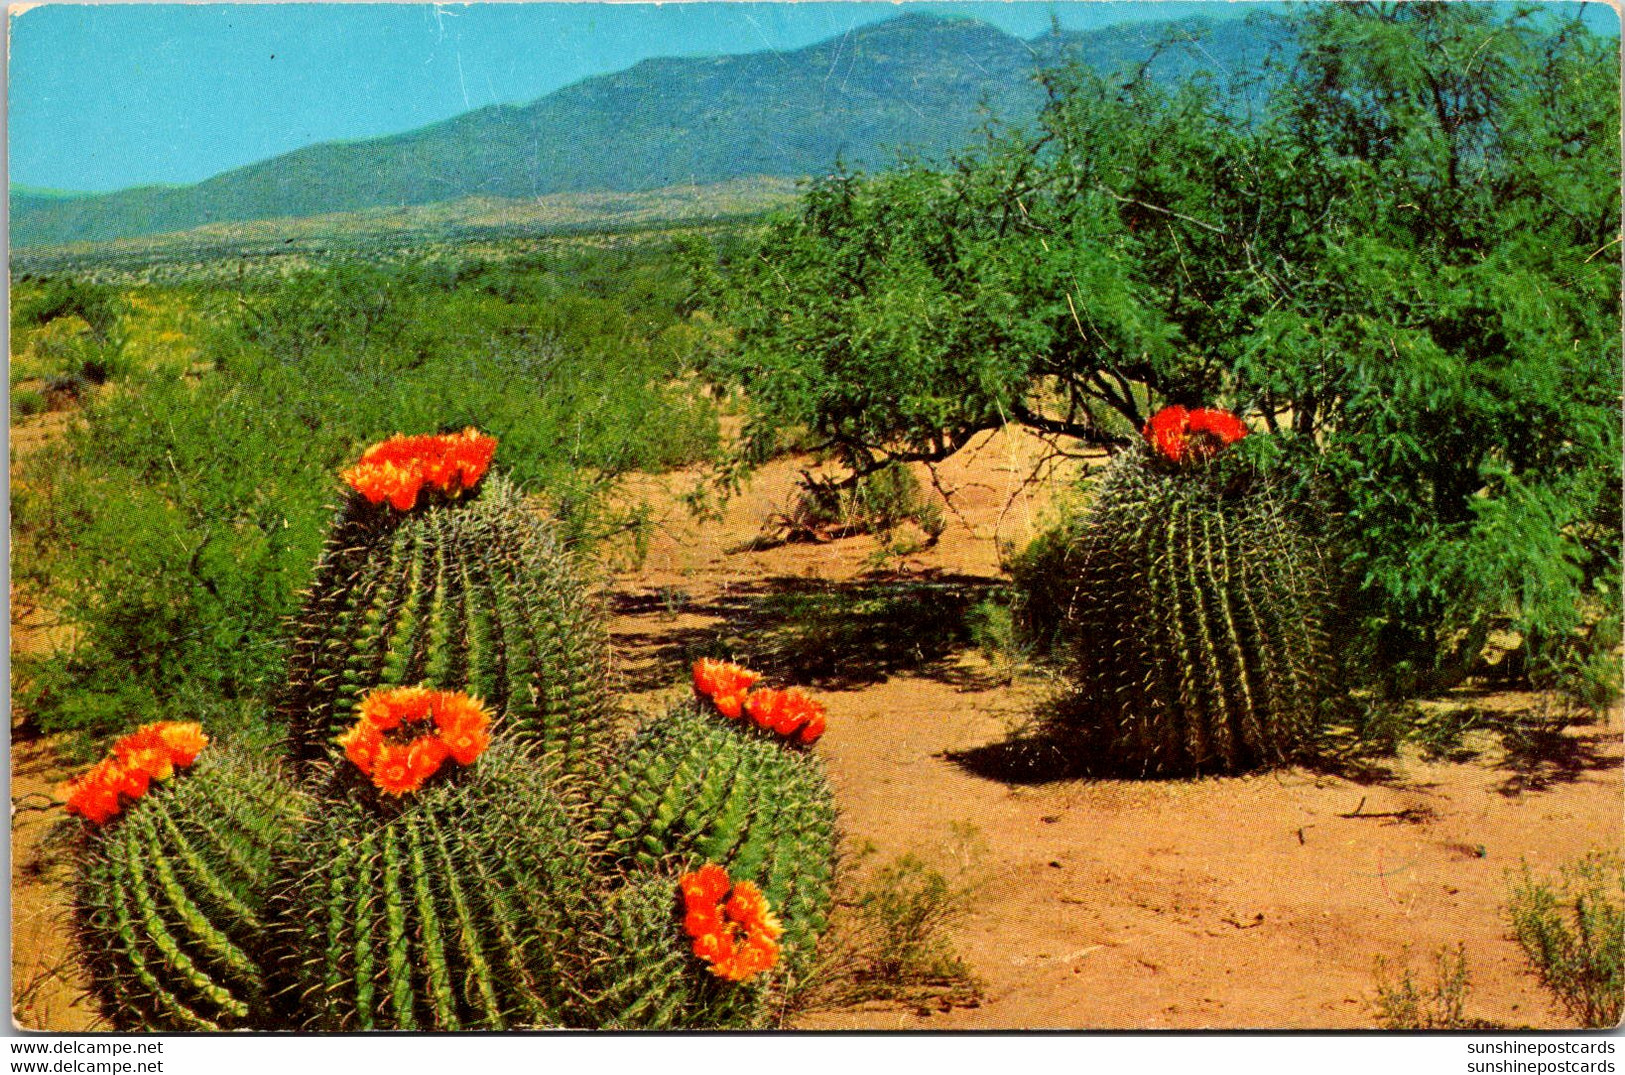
{"type": "Point", "coordinates": [1043, 587]}
{"type": "Point", "coordinates": [1572, 931]}
{"type": "Point", "coordinates": [1404, 1004]}
{"type": "Point", "coordinates": [875, 503]}
{"type": "Point", "coordinates": [991, 624]}
{"type": "Point", "coordinates": [39, 302]}
{"type": "Point", "coordinates": [891, 940]}
{"type": "Point", "coordinates": [25, 403]}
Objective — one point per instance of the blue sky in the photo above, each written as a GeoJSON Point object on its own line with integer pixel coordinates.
{"type": "Point", "coordinates": [104, 96]}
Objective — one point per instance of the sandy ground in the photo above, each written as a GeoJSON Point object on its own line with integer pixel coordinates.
{"type": "Point", "coordinates": [1249, 902]}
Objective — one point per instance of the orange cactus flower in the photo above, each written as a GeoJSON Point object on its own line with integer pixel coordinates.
{"type": "Point", "coordinates": [378, 742]}
{"type": "Point", "coordinates": [1220, 424]}
{"type": "Point", "coordinates": [725, 683]}
{"type": "Point", "coordinates": [812, 730]}
{"type": "Point", "coordinates": [786, 712]}
{"type": "Point", "coordinates": [707, 885]}
{"type": "Point", "coordinates": [424, 756]}
{"type": "Point", "coordinates": [399, 468]}
{"type": "Point", "coordinates": [392, 771]}
{"type": "Point", "coordinates": [144, 749]}
{"type": "Point", "coordinates": [361, 745]}
{"type": "Point", "coordinates": [185, 741]}
{"type": "Point", "coordinates": [466, 744]}
{"type": "Point", "coordinates": [151, 752]}
{"type": "Point", "coordinates": [738, 936]}
{"type": "Point", "coordinates": [389, 708]}
{"type": "Point", "coordinates": [94, 796]}
{"type": "Point", "coordinates": [1166, 432]}
{"type": "Point", "coordinates": [130, 782]}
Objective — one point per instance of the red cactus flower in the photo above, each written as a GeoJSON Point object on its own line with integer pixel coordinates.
{"type": "Point", "coordinates": [1178, 434]}
{"type": "Point", "coordinates": [399, 468]}
{"type": "Point", "coordinates": [738, 936]}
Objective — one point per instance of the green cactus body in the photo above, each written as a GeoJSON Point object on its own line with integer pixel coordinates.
{"type": "Point", "coordinates": [646, 977]}
{"type": "Point", "coordinates": [690, 789]}
{"type": "Point", "coordinates": [461, 909]}
{"type": "Point", "coordinates": [1196, 623]}
{"type": "Point", "coordinates": [171, 896]}
{"type": "Point", "coordinates": [474, 595]}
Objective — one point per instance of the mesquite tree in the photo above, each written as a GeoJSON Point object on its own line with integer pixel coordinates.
{"type": "Point", "coordinates": [1398, 252]}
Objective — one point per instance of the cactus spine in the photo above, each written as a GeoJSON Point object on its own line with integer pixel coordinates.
{"type": "Point", "coordinates": [1197, 622]}
{"type": "Point", "coordinates": [474, 595]}
{"type": "Point", "coordinates": [171, 897]}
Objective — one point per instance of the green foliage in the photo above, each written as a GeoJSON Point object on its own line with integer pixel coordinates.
{"type": "Point", "coordinates": [689, 789]}
{"type": "Point", "coordinates": [991, 624]}
{"type": "Point", "coordinates": [1572, 931]}
{"type": "Point", "coordinates": [1196, 623]}
{"type": "Point", "coordinates": [171, 897]}
{"type": "Point", "coordinates": [1398, 257]}
{"type": "Point", "coordinates": [1405, 1005]}
{"type": "Point", "coordinates": [25, 403]}
{"type": "Point", "coordinates": [37, 303]}
{"type": "Point", "coordinates": [478, 595]}
{"type": "Point", "coordinates": [174, 528]}
{"type": "Point", "coordinates": [457, 912]}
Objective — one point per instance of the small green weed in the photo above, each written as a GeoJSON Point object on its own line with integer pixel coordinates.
{"type": "Point", "coordinates": [992, 627]}
{"type": "Point", "coordinates": [891, 940]}
{"type": "Point", "coordinates": [1571, 930]}
{"type": "Point", "coordinates": [1403, 1004]}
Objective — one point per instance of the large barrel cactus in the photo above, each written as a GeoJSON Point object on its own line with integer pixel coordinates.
{"type": "Point", "coordinates": [690, 788]}
{"type": "Point", "coordinates": [461, 909]}
{"type": "Point", "coordinates": [1197, 613]}
{"type": "Point", "coordinates": [474, 594]}
{"type": "Point", "coordinates": [172, 896]}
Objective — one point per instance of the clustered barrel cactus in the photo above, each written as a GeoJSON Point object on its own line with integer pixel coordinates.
{"type": "Point", "coordinates": [1195, 611]}
{"type": "Point", "coordinates": [453, 838]}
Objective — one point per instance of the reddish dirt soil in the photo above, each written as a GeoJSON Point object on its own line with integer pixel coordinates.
{"type": "Point", "coordinates": [1261, 901]}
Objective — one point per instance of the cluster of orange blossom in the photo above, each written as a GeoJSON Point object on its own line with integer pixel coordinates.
{"type": "Point", "coordinates": [399, 766]}
{"type": "Point", "coordinates": [399, 468]}
{"type": "Point", "coordinates": [151, 752]}
{"type": "Point", "coordinates": [789, 713]}
{"type": "Point", "coordinates": [739, 936]}
{"type": "Point", "coordinates": [1178, 434]}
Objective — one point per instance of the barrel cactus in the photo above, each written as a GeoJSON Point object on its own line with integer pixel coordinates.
{"type": "Point", "coordinates": [171, 895]}
{"type": "Point", "coordinates": [1197, 611]}
{"type": "Point", "coordinates": [689, 789]}
{"type": "Point", "coordinates": [468, 592]}
{"type": "Point", "coordinates": [646, 976]}
{"type": "Point", "coordinates": [460, 909]}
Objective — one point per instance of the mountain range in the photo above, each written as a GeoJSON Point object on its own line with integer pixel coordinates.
{"type": "Point", "coordinates": [917, 83]}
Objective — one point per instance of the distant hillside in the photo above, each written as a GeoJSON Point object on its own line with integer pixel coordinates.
{"type": "Point", "coordinates": [917, 82]}
{"type": "Point", "coordinates": [477, 218]}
